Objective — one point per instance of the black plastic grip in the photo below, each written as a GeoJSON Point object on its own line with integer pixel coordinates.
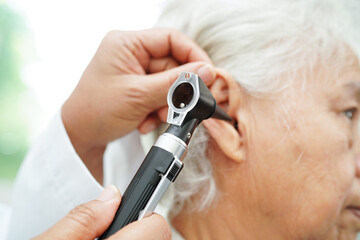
{"type": "Point", "coordinates": [140, 189]}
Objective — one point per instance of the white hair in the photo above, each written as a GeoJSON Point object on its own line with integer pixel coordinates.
{"type": "Point", "coordinates": [258, 43]}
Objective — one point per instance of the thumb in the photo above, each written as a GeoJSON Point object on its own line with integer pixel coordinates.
{"type": "Point", "coordinates": [158, 84]}
{"type": "Point", "coordinates": [86, 221]}
{"type": "Point", "coordinates": [149, 228]}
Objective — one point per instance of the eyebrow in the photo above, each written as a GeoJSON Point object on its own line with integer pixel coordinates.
{"type": "Point", "coordinates": [355, 88]}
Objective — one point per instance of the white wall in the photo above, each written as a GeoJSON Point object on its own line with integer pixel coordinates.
{"type": "Point", "coordinates": [66, 34]}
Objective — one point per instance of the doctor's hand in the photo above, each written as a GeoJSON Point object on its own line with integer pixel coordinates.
{"type": "Point", "coordinates": [125, 86]}
{"type": "Point", "coordinates": [88, 221]}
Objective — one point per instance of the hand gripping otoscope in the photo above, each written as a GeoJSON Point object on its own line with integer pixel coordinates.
{"type": "Point", "coordinates": [190, 102]}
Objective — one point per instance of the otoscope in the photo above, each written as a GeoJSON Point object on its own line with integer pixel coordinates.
{"type": "Point", "coordinates": [190, 102]}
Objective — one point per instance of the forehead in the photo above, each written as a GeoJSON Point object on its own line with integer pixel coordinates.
{"type": "Point", "coordinates": [327, 82]}
{"type": "Point", "coordinates": [350, 81]}
{"type": "Point", "coordinates": [350, 72]}
{"type": "Point", "coordinates": [353, 88]}
{"type": "Point", "coordinates": [345, 87]}
{"type": "Point", "coordinates": [355, 85]}
{"type": "Point", "coordinates": [336, 71]}
{"type": "Point", "coordinates": [340, 78]}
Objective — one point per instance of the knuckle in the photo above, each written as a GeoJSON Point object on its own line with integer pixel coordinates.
{"type": "Point", "coordinates": [175, 34]}
{"type": "Point", "coordinates": [169, 64]}
{"type": "Point", "coordinates": [84, 217]}
{"type": "Point", "coordinates": [136, 91]}
{"type": "Point", "coordinates": [137, 95]}
{"type": "Point", "coordinates": [171, 32]}
{"type": "Point", "coordinates": [111, 35]}
{"type": "Point", "coordinates": [113, 38]}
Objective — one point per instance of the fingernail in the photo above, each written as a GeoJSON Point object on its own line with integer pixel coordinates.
{"type": "Point", "coordinates": [207, 73]}
{"type": "Point", "coordinates": [108, 193]}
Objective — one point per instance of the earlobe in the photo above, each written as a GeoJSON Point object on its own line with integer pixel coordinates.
{"type": "Point", "coordinates": [228, 139]}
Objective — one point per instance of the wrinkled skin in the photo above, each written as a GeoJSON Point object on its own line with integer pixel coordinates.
{"type": "Point", "coordinates": [292, 170]}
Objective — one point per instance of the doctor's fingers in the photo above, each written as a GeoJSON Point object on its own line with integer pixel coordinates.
{"type": "Point", "coordinates": [153, 120]}
{"type": "Point", "coordinates": [149, 228]}
{"type": "Point", "coordinates": [86, 221]}
{"type": "Point", "coordinates": [156, 85]}
{"type": "Point", "coordinates": [150, 123]}
{"type": "Point", "coordinates": [161, 64]}
{"type": "Point", "coordinates": [163, 42]}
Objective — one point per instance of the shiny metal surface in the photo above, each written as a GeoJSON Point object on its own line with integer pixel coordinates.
{"type": "Point", "coordinates": [172, 144]}
{"type": "Point", "coordinates": [160, 190]}
{"type": "Point", "coordinates": [176, 115]}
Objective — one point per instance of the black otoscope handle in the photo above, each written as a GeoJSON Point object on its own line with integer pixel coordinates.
{"type": "Point", "coordinates": [140, 189]}
{"type": "Point", "coordinates": [163, 162]}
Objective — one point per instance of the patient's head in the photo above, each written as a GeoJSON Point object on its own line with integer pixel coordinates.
{"type": "Point", "coordinates": [292, 168]}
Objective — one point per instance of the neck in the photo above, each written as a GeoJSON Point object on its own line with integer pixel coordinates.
{"type": "Point", "coordinates": [211, 224]}
{"type": "Point", "coordinates": [233, 215]}
{"type": "Point", "coordinates": [222, 221]}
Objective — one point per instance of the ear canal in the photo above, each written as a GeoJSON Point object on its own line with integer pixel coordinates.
{"type": "Point", "coordinates": [236, 125]}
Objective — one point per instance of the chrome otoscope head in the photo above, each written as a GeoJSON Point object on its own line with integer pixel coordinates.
{"type": "Point", "coordinates": [189, 98]}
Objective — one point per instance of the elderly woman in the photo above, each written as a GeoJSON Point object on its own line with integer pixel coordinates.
{"type": "Point", "coordinates": [291, 169]}
{"type": "Point", "coordinates": [290, 78]}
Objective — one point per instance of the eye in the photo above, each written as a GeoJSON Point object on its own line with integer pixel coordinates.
{"type": "Point", "coordinates": [350, 113]}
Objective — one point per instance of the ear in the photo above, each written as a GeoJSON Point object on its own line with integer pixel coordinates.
{"type": "Point", "coordinates": [226, 91]}
{"type": "Point", "coordinates": [230, 140]}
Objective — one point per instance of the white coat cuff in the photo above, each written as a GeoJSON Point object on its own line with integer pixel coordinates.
{"type": "Point", "coordinates": [69, 170]}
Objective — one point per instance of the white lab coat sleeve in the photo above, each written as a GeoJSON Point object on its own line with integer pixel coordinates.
{"type": "Point", "coordinates": [53, 179]}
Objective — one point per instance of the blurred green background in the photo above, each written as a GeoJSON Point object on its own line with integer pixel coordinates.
{"type": "Point", "coordinates": [14, 127]}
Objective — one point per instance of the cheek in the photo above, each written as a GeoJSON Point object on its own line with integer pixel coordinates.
{"type": "Point", "coordinates": [305, 176]}
{"type": "Point", "coordinates": [326, 171]}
